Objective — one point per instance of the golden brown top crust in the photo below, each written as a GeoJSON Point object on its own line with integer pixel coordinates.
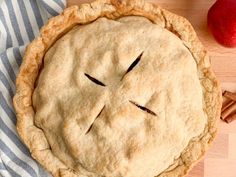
{"type": "Point", "coordinates": [116, 95]}
{"type": "Point", "coordinates": [98, 127]}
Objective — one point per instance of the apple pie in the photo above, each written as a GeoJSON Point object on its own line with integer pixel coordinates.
{"type": "Point", "coordinates": [117, 88]}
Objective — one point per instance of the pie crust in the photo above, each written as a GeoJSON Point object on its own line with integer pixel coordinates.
{"type": "Point", "coordinates": [39, 49]}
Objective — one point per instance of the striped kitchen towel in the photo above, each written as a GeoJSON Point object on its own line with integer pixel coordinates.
{"type": "Point", "coordinates": [20, 21]}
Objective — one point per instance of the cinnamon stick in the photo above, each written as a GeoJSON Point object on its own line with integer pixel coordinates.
{"type": "Point", "coordinates": [230, 118]}
{"type": "Point", "coordinates": [230, 95]}
{"type": "Point", "coordinates": [231, 109]}
{"type": "Point", "coordinates": [226, 105]}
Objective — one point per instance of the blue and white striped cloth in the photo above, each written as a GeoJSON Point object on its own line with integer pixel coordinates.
{"type": "Point", "coordinates": [20, 21]}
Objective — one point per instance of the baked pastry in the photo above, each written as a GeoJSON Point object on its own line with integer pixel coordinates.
{"type": "Point", "coordinates": [117, 89]}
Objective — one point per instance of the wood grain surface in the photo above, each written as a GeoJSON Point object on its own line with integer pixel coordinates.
{"type": "Point", "coordinates": [220, 161]}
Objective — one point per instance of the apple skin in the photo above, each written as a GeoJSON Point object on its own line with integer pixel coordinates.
{"type": "Point", "coordinates": [221, 21]}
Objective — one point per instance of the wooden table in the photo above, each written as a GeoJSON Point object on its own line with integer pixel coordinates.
{"type": "Point", "coordinates": [220, 161]}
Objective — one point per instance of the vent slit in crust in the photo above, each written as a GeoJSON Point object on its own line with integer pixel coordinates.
{"type": "Point", "coordinates": [143, 108]}
{"type": "Point", "coordinates": [94, 80]}
{"type": "Point", "coordinates": [94, 121]}
{"type": "Point", "coordinates": [135, 62]}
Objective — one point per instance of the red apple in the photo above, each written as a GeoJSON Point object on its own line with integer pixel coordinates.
{"type": "Point", "coordinates": [222, 22]}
